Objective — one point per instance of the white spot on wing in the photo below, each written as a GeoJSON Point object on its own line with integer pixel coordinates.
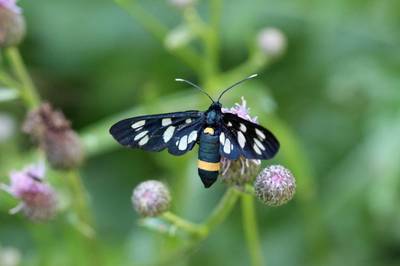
{"type": "Point", "coordinates": [140, 135]}
{"type": "Point", "coordinates": [241, 139]}
{"type": "Point", "coordinates": [183, 143]}
{"type": "Point", "coordinates": [229, 124]}
{"type": "Point", "coordinates": [143, 140]}
{"type": "Point", "coordinates": [166, 122]}
{"type": "Point", "coordinates": [188, 121]}
{"type": "Point", "coordinates": [222, 138]}
{"type": "Point", "coordinates": [138, 124]}
{"type": "Point", "coordinates": [256, 149]}
{"type": "Point", "coordinates": [227, 146]}
{"type": "Point", "coordinates": [243, 128]}
{"type": "Point", "coordinates": [168, 133]}
{"type": "Point", "coordinates": [192, 136]}
{"type": "Point", "coordinates": [260, 133]}
{"type": "Point", "coordinates": [259, 144]}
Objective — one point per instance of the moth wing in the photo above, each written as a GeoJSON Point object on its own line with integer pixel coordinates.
{"type": "Point", "coordinates": [157, 132]}
{"type": "Point", "coordinates": [249, 139]}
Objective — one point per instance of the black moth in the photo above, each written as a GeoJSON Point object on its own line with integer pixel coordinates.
{"type": "Point", "coordinates": [217, 133]}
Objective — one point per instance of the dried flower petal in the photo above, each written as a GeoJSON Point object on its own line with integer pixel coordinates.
{"type": "Point", "coordinates": [53, 132]}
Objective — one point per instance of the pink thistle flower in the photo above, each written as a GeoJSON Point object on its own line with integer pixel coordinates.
{"type": "Point", "coordinates": [275, 185]}
{"type": "Point", "coordinates": [38, 199]}
{"type": "Point", "coordinates": [241, 171]}
{"type": "Point", "coordinates": [12, 24]}
{"type": "Point", "coordinates": [10, 5]}
{"type": "Point", "coordinates": [151, 198]}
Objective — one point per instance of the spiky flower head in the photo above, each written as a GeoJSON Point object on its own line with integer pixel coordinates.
{"type": "Point", "coordinates": [38, 199]}
{"type": "Point", "coordinates": [151, 198]}
{"type": "Point", "coordinates": [272, 41]}
{"type": "Point", "coordinates": [241, 171]}
{"type": "Point", "coordinates": [275, 185]}
{"type": "Point", "coordinates": [12, 24]}
{"type": "Point", "coordinates": [55, 136]}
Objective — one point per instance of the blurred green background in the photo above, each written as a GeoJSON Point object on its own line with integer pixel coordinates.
{"type": "Point", "coordinates": [335, 93]}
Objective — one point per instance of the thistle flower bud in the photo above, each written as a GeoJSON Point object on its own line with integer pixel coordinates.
{"type": "Point", "coordinates": [241, 171]}
{"type": "Point", "coordinates": [275, 185]}
{"type": "Point", "coordinates": [38, 199]}
{"type": "Point", "coordinates": [272, 41]}
{"type": "Point", "coordinates": [53, 132]}
{"type": "Point", "coordinates": [12, 24]}
{"type": "Point", "coordinates": [151, 198]}
{"type": "Point", "coordinates": [182, 4]}
{"type": "Point", "coordinates": [10, 256]}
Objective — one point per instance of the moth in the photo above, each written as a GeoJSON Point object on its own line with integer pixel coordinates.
{"type": "Point", "coordinates": [218, 134]}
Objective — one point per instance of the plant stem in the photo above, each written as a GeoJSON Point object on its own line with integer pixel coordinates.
{"type": "Point", "coordinates": [8, 81]}
{"type": "Point", "coordinates": [223, 208]}
{"type": "Point", "coordinates": [253, 64]}
{"type": "Point", "coordinates": [218, 215]}
{"type": "Point", "coordinates": [211, 44]}
{"type": "Point", "coordinates": [28, 91]}
{"type": "Point", "coordinates": [80, 201]}
{"type": "Point", "coordinates": [159, 31]}
{"type": "Point", "coordinates": [85, 220]}
{"type": "Point", "coordinates": [185, 225]}
{"type": "Point", "coordinates": [251, 230]}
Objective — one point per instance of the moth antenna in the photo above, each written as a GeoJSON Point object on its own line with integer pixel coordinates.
{"type": "Point", "coordinates": [234, 85]}
{"type": "Point", "coordinates": [194, 85]}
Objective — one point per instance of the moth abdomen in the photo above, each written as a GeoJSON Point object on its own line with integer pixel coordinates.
{"type": "Point", "coordinates": [209, 157]}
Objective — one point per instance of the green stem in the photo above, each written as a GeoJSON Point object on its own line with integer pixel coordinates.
{"type": "Point", "coordinates": [211, 45]}
{"type": "Point", "coordinates": [28, 91]}
{"type": "Point", "coordinates": [223, 208]}
{"type": "Point", "coordinates": [218, 215]}
{"type": "Point", "coordinates": [185, 225]}
{"type": "Point", "coordinates": [81, 203]}
{"type": "Point", "coordinates": [251, 230]}
{"type": "Point", "coordinates": [159, 31]}
{"type": "Point", "coordinates": [85, 223]}
{"type": "Point", "coordinates": [253, 64]}
{"type": "Point", "coordinates": [8, 81]}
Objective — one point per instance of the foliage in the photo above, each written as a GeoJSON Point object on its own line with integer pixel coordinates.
{"type": "Point", "coordinates": [332, 98]}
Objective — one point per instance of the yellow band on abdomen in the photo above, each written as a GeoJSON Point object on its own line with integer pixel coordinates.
{"type": "Point", "coordinates": [208, 166]}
